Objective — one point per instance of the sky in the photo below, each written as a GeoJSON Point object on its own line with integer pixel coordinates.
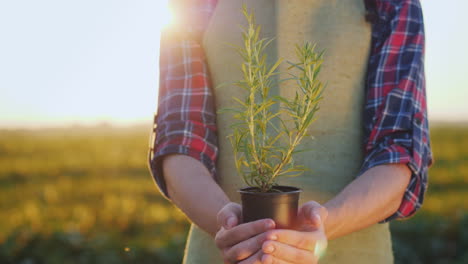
{"type": "Point", "coordinates": [65, 62]}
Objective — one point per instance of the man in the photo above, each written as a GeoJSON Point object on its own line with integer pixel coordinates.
{"type": "Point", "coordinates": [393, 170]}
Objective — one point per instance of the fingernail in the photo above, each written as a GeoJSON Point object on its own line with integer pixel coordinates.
{"type": "Point", "coordinates": [269, 249]}
{"type": "Point", "coordinates": [317, 216]}
{"type": "Point", "coordinates": [273, 237]}
{"type": "Point", "coordinates": [230, 222]}
{"type": "Point", "coordinates": [269, 224]}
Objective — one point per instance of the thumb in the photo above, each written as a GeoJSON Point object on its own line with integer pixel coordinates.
{"type": "Point", "coordinates": [313, 214]}
{"type": "Point", "coordinates": [229, 216]}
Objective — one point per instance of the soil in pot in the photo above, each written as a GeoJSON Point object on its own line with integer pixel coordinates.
{"type": "Point", "coordinates": [281, 205]}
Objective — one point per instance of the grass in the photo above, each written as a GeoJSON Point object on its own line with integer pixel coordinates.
{"type": "Point", "coordinates": [438, 233]}
{"type": "Point", "coordinates": [84, 195]}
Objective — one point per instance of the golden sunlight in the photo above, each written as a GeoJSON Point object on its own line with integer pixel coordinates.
{"type": "Point", "coordinates": [165, 15]}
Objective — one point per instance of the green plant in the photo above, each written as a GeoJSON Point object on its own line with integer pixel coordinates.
{"type": "Point", "coordinates": [269, 128]}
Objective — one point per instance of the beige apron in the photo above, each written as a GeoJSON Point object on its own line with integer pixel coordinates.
{"type": "Point", "coordinates": [339, 27]}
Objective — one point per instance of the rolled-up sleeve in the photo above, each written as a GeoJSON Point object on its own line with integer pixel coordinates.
{"type": "Point", "coordinates": [185, 122]}
{"type": "Point", "coordinates": [395, 114]}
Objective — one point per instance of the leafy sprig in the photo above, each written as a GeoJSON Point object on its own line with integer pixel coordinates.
{"type": "Point", "coordinates": [264, 142]}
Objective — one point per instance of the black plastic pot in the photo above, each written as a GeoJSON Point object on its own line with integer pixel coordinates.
{"type": "Point", "coordinates": [280, 205]}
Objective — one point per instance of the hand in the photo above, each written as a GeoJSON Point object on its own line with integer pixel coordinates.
{"type": "Point", "coordinates": [305, 245]}
{"type": "Point", "coordinates": [240, 243]}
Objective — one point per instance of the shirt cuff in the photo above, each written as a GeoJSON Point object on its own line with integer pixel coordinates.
{"type": "Point", "coordinates": [199, 143]}
{"type": "Point", "coordinates": [414, 193]}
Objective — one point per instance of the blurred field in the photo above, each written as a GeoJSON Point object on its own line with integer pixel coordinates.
{"type": "Point", "coordinates": [438, 233]}
{"type": "Point", "coordinates": [84, 195]}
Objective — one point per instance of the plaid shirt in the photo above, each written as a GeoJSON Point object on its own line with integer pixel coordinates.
{"type": "Point", "coordinates": [395, 118]}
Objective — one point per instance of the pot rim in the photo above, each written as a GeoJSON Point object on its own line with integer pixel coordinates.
{"type": "Point", "coordinates": [246, 190]}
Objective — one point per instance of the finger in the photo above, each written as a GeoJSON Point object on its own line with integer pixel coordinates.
{"type": "Point", "coordinates": [237, 234]}
{"type": "Point", "coordinates": [298, 239]}
{"type": "Point", "coordinates": [254, 259]}
{"type": "Point", "coordinates": [229, 216]}
{"type": "Point", "coordinates": [269, 259]}
{"type": "Point", "coordinates": [312, 214]}
{"type": "Point", "coordinates": [245, 249]}
{"type": "Point", "coordinates": [288, 253]}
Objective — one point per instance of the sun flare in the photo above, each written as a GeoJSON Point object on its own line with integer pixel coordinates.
{"type": "Point", "coordinates": [164, 14]}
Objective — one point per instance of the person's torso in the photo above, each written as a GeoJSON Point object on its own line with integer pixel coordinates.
{"type": "Point", "coordinates": [336, 155]}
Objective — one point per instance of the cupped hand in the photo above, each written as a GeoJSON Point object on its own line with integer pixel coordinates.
{"type": "Point", "coordinates": [304, 245]}
{"type": "Point", "coordinates": [240, 242]}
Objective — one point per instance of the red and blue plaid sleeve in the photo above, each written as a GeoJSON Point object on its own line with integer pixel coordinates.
{"type": "Point", "coordinates": [395, 116]}
{"type": "Point", "coordinates": [185, 119]}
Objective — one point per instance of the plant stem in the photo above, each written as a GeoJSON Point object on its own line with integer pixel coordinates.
{"type": "Point", "coordinates": [263, 157]}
